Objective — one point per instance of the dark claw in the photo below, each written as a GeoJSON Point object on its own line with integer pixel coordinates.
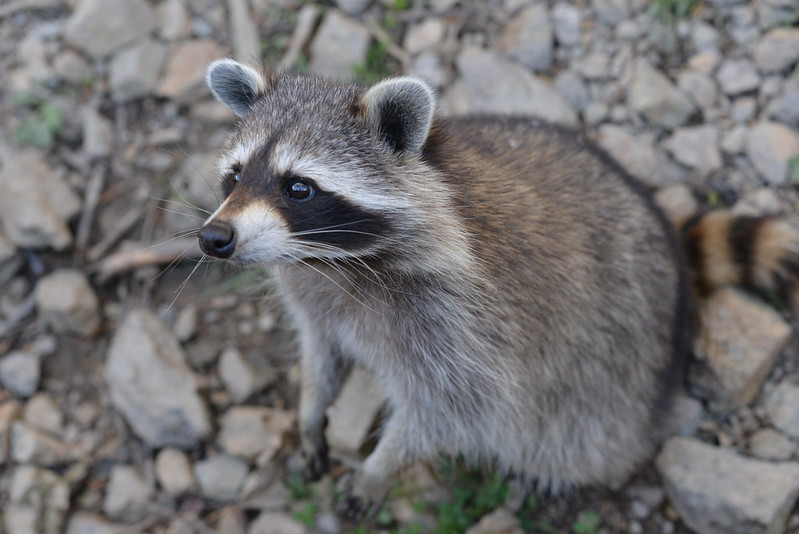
{"type": "Point", "coordinates": [352, 509]}
{"type": "Point", "coordinates": [317, 464]}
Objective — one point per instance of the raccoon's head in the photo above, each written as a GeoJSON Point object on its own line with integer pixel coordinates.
{"type": "Point", "coordinates": [316, 169]}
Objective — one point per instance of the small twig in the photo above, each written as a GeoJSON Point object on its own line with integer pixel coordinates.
{"type": "Point", "coordinates": [391, 47]}
{"type": "Point", "coordinates": [306, 20]}
{"type": "Point", "coordinates": [185, 248]}
{"type": "Point", "coordinates": [90, 206]}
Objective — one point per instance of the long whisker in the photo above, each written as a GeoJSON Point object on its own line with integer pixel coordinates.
{"type": "Point", "coordinates": [182, 286]}
{"type": "Point", "coordinates": [180, 213]}
{"type": "Point", "coordinates": [181, 204]}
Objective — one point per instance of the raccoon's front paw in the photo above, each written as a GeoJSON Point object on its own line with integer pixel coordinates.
{"type": "Point", "coordinates": [317, 463]}
{"type": "Point", "coordinates": [354, 504]}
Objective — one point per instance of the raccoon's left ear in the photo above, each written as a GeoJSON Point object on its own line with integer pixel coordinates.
{"type": "Point", "coordinates": [235, 85]}
{"type": "Point", "coordinates": [401, 111]}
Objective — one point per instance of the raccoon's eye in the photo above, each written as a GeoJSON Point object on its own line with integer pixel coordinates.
{"type": "Point", "coordinates": [299, 190]}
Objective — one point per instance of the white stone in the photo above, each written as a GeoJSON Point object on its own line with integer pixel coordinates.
{"type": "Point", "coordinates": [66, 300]}
{"type": "Point", "coordinates": [127, 495]}
{"type": "Point", "coordinates": [173, 471]}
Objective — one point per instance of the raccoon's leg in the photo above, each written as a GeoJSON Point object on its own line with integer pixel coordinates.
{"type": "Point", "coordinates": [322, 373]}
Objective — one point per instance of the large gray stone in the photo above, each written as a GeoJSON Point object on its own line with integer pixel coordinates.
{"type": "Point", "coordinates": [152, 386]}
{"type": "Point", "coordinates": [771, 146]}
{"type": "Point", "coordinates": [528, 38]}
{"type": "Point", "coordinates": [520, 91]}
{"type": "Point", "coordinates": [717, 491]}
{"type": "Point", "coordinates": [99, 27]}
{"type": "Point", "coordinates": [654, 96]}
{"type": "Point", "coordinates": [777, 50]}
{"type": "Point", "coordinates": [134, 72]}
{"type": "Point", "coordinates": [339, 47]}
{"type": "Point", "coordinates": [67, 302]}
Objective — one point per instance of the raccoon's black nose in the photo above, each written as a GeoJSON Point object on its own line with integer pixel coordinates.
{"type": "Point", "coordinates": [218, 239]}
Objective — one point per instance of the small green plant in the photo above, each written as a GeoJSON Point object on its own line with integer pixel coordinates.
{"type": "Point", "coordinates": [714, 199]}
{"type": "Point", "coordinates": [473, 496]}
{"type": "Point", "coordinates": [306, 514]}
{"type": "Point", "coordinates": [299, 489]}
{"type": "Point", "coordinates": [375, 67]}
{"type": "Point", "coordinates": [670, 11]}
{"type": "Point", "coordinates": [588, 522]}
{"type": "Point", "coordinates": [401, 5]}
{"type": "Point", "coordinates": [42, 123]}
{"type": "Point", "coordinates": [793, 169]}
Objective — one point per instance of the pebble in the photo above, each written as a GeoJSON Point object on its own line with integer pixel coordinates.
{"type": "Point", "coordinates": [100, 27]}
{"type": "Point", "coordinates": [758, 202]}
{"type": "Point", "coordinates": [653, 95]}
{"type": "Point", "coordinates": [521, 92]}
{"type": "Point", "coordinates": [566, 19]}
{"type": "Point", "coordinates": [734, 140]}
{"type": "Point", "coordinates": [716, 490]}
{"type": "Point", "coordinates": [41, 412]}
{"type": "Point", "coordinates": [777, 50]}
{"type": "Point", "coordinates": [611, 12]}
{"type": "Point", "coordinates": [71, 67]}
{"type": "Point", "coordinates": [528, 38]}
{"type": "Point", "coordinates": [782, 406]}
{"type": "Point", "coordinates": [254, 432]}
{"type": "Point", "coordinates": [220, 476]}
{"type": "Point", "coordinates": [353, 413]}
{"type": "Point", "coordinates": [696, 147]}
{"type": "Point", "coordinates": [429, 67]}
{"type": "Point", "coordinates": [737, 76]}
{"type": "Point", "coordinates": [29, 445]}
{"type": "Point", "coordinates": [191, 181]}
{"type": "Point", "coordinates": [44, 493]}
{"type": "Point", "coordinates": [571, 85]}
{"type": "Point", "coordinates": [339, 47]}
{"type": "Point", "coordinates": [35, 211]}
{"type": "Point", "coordinates": [739, 341]}
{"type": "Point", "coordinates": [19, 519]}
{"type": "Point", "coordinates": [241, 378]}
{"type": "Point", "coordinates": [785, 108]}
{"type": "Point", "coordinates": [98, 135]}
{"type": "Point", "coordinates": [699, 86]}
{"type": "Point", "coordinates": [152, 386]}
{"type": "Point", "coordinates": [424, 36]}
{"type": "Point", "coordinates": [84, 523]}
{"type": "Point", "coordinates": [743, 109]}
{"type": "Point", "coordinates": [134, 72]}
{"type": "Point", "coordinates": [705, 62]}
{"type": "Point", "coordinates": [173, 471]}
{"type": "Point", "coordinates": [595, 112]}
{"type": "Point", "coordinates": [20, 372]}
{"type": "Point", "coordinates": [352, 7]}
{"type": "Point", "coordinates": [127, 495]}
{"type": "Point", "coordinates": [184, 78]}
{"type": "Point", "coordinates": [276, 523]}
{"type": "Point", "coordinates": [637, 155]}
{"type": "Point", "coordinates": [186, 324]}
{"type": "Point", "coordinates": [594, 66]}
{"type": "Point", "coordinates": [67, 302]}
{"type": "Point", "coordinates": [500, 521]}
{"type": "Point", "coordinates": [769, 444]}
{"type": "Point", "coordinates": [770, 146]}
{"type": "Point", "coordinates": [678, 202]}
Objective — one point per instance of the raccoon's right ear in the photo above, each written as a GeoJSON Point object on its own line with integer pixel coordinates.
{"type": "Point", "coordinates": [235, 85]}
{"type": "Point", "coordinates": [401, 111]}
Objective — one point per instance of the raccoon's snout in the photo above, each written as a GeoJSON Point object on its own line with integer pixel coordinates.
{"type": "Point", "coordinates": [218, 239]}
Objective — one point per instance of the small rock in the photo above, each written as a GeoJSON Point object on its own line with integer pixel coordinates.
{"type": "Point", "coordinates": [567, 24]}
{"type": "Point", "coordinates": [783, 408]}
{"type": "Point", "coordinates": [740, 340]}
{"type": "Point", "coordinates": [83, 523]}
{"type": "Point", "coordinates": [98, 135]}
{"type": "Point", "coordinates": [743, 109]}
{"type": "Point", "coordinates": [428, 66]}
{"type": "Point", "coordinates": [595, 112]}
{"type": "Point", "coordinates": [231, 521]}
{"type": "Point", "coordinates": [520, 93]}
{"type": "Point", "coordinates": [186, 324]}
{"type": "Point", "coordinates": [220, 477]}
{"type": "Point", "coordinates": [127, 495]}
{"type": "Point", "coordinates": [685, 416]}
{"type": "Point", "coordinates": [41, 412]}
{"type": "Point", "coordinates": [699, 86]}
{"type": "Point", "coordinates": [173, 471]}
{"type": "Point", "coordinates": [71, 67]}
{"type": "Point", "coordinates": [339, 47]}
{"type": "Point", "coordinates": [737, 76]}
{"type": "Point", "coordinates": [770, 146]}
{"type": "Point", "coordinates": [20, 519]}
{"type": "Point", "coordinates": [611, 12]}
{"type": "Point", "coordinates": [20, 372]}
{"type": "Point", "coordinates": [571, 85]}
{"type": "Point", "coordinates": [653, 95]}
{"type": "Point", "coordinates": [173, 20]}
{"type": "Point", "coordinates": [678, 202]}
{"type": "Point", "coordinates": [254, 432]}
{"type": "Point", "coordinates": [785, 108]}
{"type": "Point", "coordinates": [423, 36]}
{"type": "Point", "coordinates": [696, 147]}
{"type": "Point", "coordinates": [716, 490]}
{"type": "Point", "coordinates": [352, 7]}
{"type": "Point", "coordinates": [704, 36]}
{"type": "Point", "coordinates": [761, 201]}
{"type": "Point", "coordinates": [594, 66]}
{"type": "Point", "coordinates": [29, 445]}
{"type": "Point", "coordinates": [243, 31]}
{"type": "Point", "coordinates": [184, 80]}
{"type": "Point", "coordinates": [240, 378]}
{"type": "Point", "coordinates": [500, 521]}
{"type": "Point", "coordinates": [35, 211]}
{"type": "Point", "coordinates": [734, 140]}
{"type": "Point", "coordinates": [352, 414]}
{"type": "Point", "coordinates": [99, 27]}
{"type": "Point", "coordinates": [9, 412]}
{"type": "Point", "coordinates": [43, 492]}
{"type": "Point", "coordinates": [528, 38]}
{"type": "Point", "coordinates": [705, 62]}
{"type": "Point", "coordinates": [769, 444]}
{"type": "Point", "coordinates": [134, 72]}
{"type": "Point", "coordinates": [67, 302]}
{"type": "Point", "coordinates": [152, 386]}
{"type": "Point", "coordinates": [276, 523]}
{"type": "Point", "coordinates": [777, 50]}
{"type": "Point", "coordinates": [637, 156]}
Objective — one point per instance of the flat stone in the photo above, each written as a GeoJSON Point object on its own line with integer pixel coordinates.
{"type": "Point", "coordinates": [527, 38]}
{"type": "Point", "coordinates": [770, 147]}
{"type": "Point", "coordinates": [739, 341]}
{"type": "Point", "coordinates": [241, 379]}
{"type": "Point", "coordinates": [134, 71]}
{"type": "Point", "coordinates": [737, 76]}
{"type": "Point", "coordinates": [29, 445]}
{"type": "Point", "coordinates": [67, 302]}
{"type": "Point", "coordinates": [173, 471]}
{"type": "Point", "coordinates": [99, 27]}
{"type": "Point", "coordinates": [127, 495]}
{"type": "Point", "coordinates": [41, 412]}
{"type": "Point", "coordinates": [500, 521]}
{"type": "Point", "coordinates": [276, 523]}
{"type": "Point", "coordinates": [184, 79]}
{"type": "Point", "coordinates": [717, 491]}
{"type": "Point", "coordinates": [423, 36]}
{"type": "Point", "coordinates": [769, 444]}
{"type": "Point", "coordinates": [9, 412]}
{"type": "Point", "coordinates": [638, 156]}
{"type": "Point", "coordinates": [254, 432]}
{"type": "Point", "coordinates": [567, 24]}
{"type": "Point", "coordinates": [782, 406]}
{"type": "Point", "coordinates": [519, 93]}
{"type": "Point", "coordinates": [777, 50]}
{"type": "Point", "coordinates": [220, 477]}
{"type": "Point", "coordinates": [20, 372]}
{"type": "Point", "coordinates": [35, 211]}
{"type": "Point", "coordinates": [243, 31]}
{"type": "Point", "coordinates": [339, 47]}
{"type": "Point", "coordinates": [152, 386]}
{"type": "Point", "coordinates": [353, 413]}
{"type": "Point", "coordinates": [696, 147]}
{"type": "Point", "coordinates": [654, 96]}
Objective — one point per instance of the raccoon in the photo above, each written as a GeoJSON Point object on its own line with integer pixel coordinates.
{"type": "Point", "coordinates": [518, 296]}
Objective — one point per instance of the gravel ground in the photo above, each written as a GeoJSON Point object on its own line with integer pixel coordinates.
{"type": "Point", "coordinates": [144, 390]}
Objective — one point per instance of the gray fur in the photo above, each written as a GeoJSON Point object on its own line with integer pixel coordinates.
{"type": "Point", "coordinates": [235, 85]}
{"type": "Point", "coordinates": [405, 106]}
